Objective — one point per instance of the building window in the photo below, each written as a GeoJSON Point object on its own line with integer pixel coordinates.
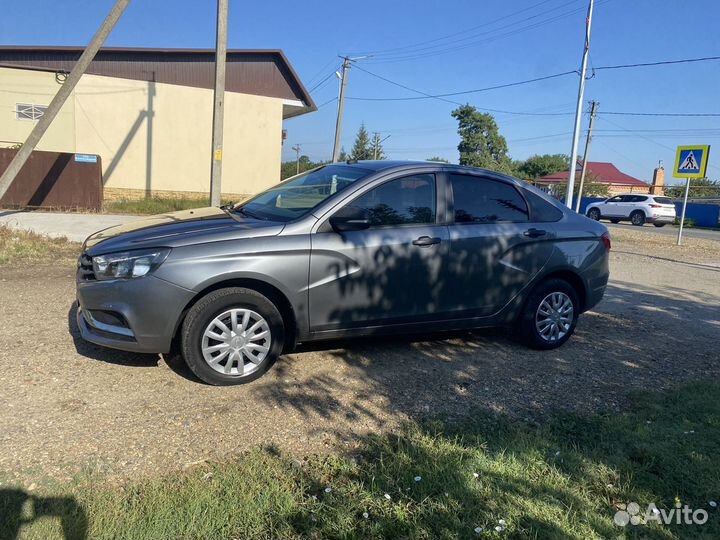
{"type": "Point", "coordinates": [28, 111]}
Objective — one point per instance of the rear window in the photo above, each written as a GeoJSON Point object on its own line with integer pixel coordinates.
{"type": "Point", "coordinates": [663, 200]}
{"type": "Point", "coordinates": [541, 210]}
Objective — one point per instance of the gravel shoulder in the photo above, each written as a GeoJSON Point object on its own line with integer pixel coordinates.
{"type": "Point", "coordinates": [68, 406]}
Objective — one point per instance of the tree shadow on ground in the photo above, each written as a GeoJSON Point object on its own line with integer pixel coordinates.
{"type": "Point", "coordinates": [630, 342]}
{"type": "Point", "coordinates": [19, 508]}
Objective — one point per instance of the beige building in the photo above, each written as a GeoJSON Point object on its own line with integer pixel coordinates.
{"type": "Point", "coordinates": [147, 114]}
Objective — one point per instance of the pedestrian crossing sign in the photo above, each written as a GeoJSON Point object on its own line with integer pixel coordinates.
{"type": "Point", "coordinates": [691, 161]}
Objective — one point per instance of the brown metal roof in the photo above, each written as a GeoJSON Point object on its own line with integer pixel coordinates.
{"type": "Point", "coordinates": [249, 71]}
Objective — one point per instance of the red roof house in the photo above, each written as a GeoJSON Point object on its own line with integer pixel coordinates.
{"type": "Point", "coordinates": [605, 173]}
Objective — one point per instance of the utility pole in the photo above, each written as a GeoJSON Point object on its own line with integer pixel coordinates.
{"type": "Point", "coordinates": [593, 111]}
{"type": "Point", "coordinates": [62, 95]}
{"type": "Point", "coordinates": [297, 158]}
{"type": "Point", "coordinates": [219, 103]}
{"type": "Point", "coordinates": [341, 106]}
{"type": "Point", "coordinates": [578, 109]}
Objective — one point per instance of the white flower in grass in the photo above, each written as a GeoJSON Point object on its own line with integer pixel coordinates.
{"type": "Point", "coordinates": [328, 489]}
{"type": "Point", "coordinates": [502, 522]}
{"type": "Point", "coordinates": [387, 496]}
{"type": "Point", "coordinates": [557, 453]}
{"type": "Point", "coordinates": [366, 515]}
{"type": "Point", "coordinates": [499, 528]}
{"type": "Point", "coordinates": [712, 504]}
{"type": "Point", "coordinates": [478, 530]}
{"type": "Point", "coordinates": [418, 478]}
{"type": "Point", "coordinates": [476, 475]}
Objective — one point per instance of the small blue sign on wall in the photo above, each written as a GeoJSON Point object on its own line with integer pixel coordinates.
{"type": "Point", "coordinates": [86, 158]}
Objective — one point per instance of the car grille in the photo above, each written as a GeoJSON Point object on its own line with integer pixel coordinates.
{"type": "Point", "coordinates": [85, 268]}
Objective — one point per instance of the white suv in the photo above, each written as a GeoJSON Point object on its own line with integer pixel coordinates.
{"type": "Point", "coordinates": [638, 209]}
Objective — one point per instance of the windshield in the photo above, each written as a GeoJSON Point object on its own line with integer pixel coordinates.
{"type": "Point", "coordinates": [296, 197]}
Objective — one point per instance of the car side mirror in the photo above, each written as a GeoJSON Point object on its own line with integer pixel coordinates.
{"type": "Point", "coordinates": [350, 218]}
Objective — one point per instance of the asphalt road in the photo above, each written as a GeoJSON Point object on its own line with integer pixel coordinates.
{"type": "Point", "coordinates": [671, 230]}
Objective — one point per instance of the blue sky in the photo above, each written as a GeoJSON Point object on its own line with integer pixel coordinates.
{"type": "Point", "coordinates": [491, 42]}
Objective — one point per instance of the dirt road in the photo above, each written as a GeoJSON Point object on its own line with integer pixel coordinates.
{"type": "Point", "coordinates": [66, 405]}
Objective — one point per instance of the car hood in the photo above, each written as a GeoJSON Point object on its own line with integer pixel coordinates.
{"type": "Point", "coordinates": [178, 229]}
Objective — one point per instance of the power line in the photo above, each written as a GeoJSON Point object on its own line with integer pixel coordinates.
{"type": "Point", "coordinates": [453, 34]}
{"type": "Point", "coordinates": [417, 54]}
{"type": "Point", "coordinates": [318, 85]}
{"type": "Point", "coordinates": [328, 102]}
{"type": "Point", "coordinates": [661, 63]}
{"type": "Point", "coordinates": [474, 91]}
{"type": "Point", "coordinates": [689, 115]}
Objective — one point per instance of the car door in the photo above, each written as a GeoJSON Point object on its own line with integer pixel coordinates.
{"type": "Point", "coordinates": [387, 273]}
{"type": "Point", "coordinates": [496, 248]}
{"type": "Point", "coordinates": [612, 207]}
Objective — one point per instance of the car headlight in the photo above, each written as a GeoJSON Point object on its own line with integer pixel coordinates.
{"type": "Point", "coordinates": [128, 264]}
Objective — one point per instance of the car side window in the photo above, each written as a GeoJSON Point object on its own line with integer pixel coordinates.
{"type": "Point", "coordinates": [638, 198]}
{"type": "Point", "coordinates": [482, 200]}
{"type": "Point", "coordinates": [617, 198]}
{"type": "Point", "coordinates": [403, 201]}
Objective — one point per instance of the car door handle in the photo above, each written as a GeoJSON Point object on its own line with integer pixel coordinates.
{"type": "Point", "coordinates": [534, 233]}
{"type": "Point", "coordinates": [425, 241]}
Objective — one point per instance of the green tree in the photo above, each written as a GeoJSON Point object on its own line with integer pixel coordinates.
{"type": "Point", "coordinates": [289, 168]}
{"type": "Point", "coordinates": [699, 187]}
{"type": "Point", "coordinates": [343, 155]}
{"type": "Point", "coordinates": [592, 188]}
{"type": "Point", "coordinates": [437, 159]}
{"type": "Point", "coordinates": [481, 144]}
{"type": "Point", "coordinates": [538, 166]}
{"type": "Point", "coordinates": [362, 148]}
{"type": "Point", "coordinates": [376, 147]}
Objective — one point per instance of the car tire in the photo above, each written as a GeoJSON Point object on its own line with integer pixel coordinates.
{"type": "Point", "coordinates": [616, 221]}
{"type": "Point", "coordinates": [659, 224]}
{"type": "Point", "coordinates": [637, 218]}
{"type": "Point", "coordinates": [535, 326]}
{"type": "Point", "coordinates": [594, 214]}
{"type": "Point", "coordinates": [248, 337]}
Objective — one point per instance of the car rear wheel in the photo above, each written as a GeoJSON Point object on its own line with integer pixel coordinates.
{"type": "Point", "coordinates": [594, 213]}
{"type": "Point", "coordinates": [232, 336]}
{"type": "Point", "coordinates": [637, 218]}
{"type": "Point", "coordinates": [659, 224]}
{"type": "Point", "coordinates": [550, 315]}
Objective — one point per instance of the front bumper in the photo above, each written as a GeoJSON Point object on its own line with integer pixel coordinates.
{"type": "Point", "coordinates": [150, 308]}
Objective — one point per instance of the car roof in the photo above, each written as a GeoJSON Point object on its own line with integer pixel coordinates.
{"type": "Point", "coordinates": [387, 164]}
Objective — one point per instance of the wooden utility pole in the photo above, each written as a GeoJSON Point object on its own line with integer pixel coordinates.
{"type": "Point", "coordinates": [61, 97]}
{"type": "Point", "coordinates": [341, 106]}
{"type": "Point", "coordinates": [297, 158]}
{"type": "Point", "coordinates": [578, 109]}
{"type": "Point", "coordinates": [219, 103]}
{"type": "Point", "coordinates": [593, 111]}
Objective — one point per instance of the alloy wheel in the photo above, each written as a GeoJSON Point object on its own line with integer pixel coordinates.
{"type": "Point", "coordinates": [554, 316]}
{"type": "Point", "coordinates": [236, 342]}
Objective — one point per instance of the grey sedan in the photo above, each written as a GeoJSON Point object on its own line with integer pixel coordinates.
{"type": "Point", "coordinates": [352, 249]}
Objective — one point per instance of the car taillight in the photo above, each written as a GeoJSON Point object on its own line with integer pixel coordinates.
{"type": "Point", "coordinates": [606, 241]}
{"type": "Point", "coordinates": [656, 206]}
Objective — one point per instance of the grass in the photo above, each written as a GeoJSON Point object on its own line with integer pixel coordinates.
{"type": "Point", "coordinates": [562, 479]}
{"type": "Point", "coordinates": [16, 246]}
{"type": "Point", "coordinates": [156, 205]}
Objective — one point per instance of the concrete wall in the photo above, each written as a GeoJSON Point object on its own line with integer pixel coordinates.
{"type": "Point", "coordinates": [151, 136]}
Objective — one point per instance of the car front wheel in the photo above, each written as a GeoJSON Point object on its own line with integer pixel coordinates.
{"type": "Point", "coordinates": [550, 315]}
{"type": "Point", "coordinates": [594, 213]}
{"type": "Point", "coordinates": [232, 336]}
